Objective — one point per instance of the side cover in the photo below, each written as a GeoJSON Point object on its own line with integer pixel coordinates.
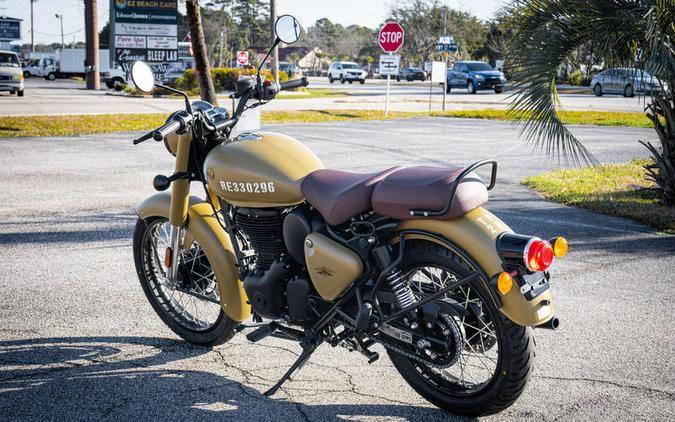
{"type": "Point", "coordinates": [476, 234]}
{"type": "Point", "coordinates": [206, 231]}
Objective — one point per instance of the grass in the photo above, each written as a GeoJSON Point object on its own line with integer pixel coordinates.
{"type": "Point", "coordinates": [601, 118]}
{"type": "Point", "coordinates": [616, 189]}
{"type": "Point", "coordinates": [312, 93]}
{"type": "Point", "coordinates": [69, 125]}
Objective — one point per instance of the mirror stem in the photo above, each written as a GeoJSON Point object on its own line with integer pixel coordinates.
{"type": "Point", "coordinates": [276, 42]}
{"type": "Point", "coordinates": [188, 106]}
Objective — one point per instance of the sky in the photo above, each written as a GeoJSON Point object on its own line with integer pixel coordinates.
{"type": "Point", "coordinates": [368, 13]}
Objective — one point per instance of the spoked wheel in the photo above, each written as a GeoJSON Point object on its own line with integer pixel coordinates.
{"type": "Point", "coordinates": [191, 307]}
{"type": "Point", "coordinates": [489, 369]}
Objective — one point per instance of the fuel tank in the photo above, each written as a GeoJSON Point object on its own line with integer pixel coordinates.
{"type": "Point", "coordinates": [260, 170]}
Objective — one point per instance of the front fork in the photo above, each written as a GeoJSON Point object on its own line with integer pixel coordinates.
{"type": "Point", "coordinates": [180, 191]}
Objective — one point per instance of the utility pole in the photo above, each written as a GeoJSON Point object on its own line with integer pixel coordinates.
{"type": "Point", "coordinates": [91, 64]}
{"type": "Point", "coordinates": [275, 52]}
{"type": "Point", "coordinates": [32, 32]}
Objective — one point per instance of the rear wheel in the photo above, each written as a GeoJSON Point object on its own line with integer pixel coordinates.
{"type": "Point", "coordinates": [496, 356]}
{"type": "Point", "coordinates": [597, 90]}
{"type": "Point", "coordinates": [628, 91]}
{"type": "Point", "coordinates": [191, 308]}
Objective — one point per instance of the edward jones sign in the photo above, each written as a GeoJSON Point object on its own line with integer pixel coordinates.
{"type": "Point", "coordinates": [144, 30]}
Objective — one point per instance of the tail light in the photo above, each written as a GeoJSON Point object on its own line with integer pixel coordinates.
{"type": "Point", "coordinates": [529, 253]}
{"type": "Point", "coordinates": [538, 255]}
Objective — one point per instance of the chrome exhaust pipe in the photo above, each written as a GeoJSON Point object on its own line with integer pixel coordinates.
{"type": "Point", "coordinates": [552, 324]}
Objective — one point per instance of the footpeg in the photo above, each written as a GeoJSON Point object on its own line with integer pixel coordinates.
{"type": "Point", "coordinates": [262, 332]}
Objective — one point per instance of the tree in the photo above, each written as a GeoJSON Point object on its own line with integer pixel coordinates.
{"type": "Point", "coordinates": [425, 20]}
{"type": "Point", "coordinates": [207, 91]}
{"type": "Point", "coordinates": [632, 33]}
{"type": "Point", "coordinates": [253, 19]}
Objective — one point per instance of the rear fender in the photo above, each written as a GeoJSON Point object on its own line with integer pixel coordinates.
{"type": "Point", "coordinates": [475, 234]}
{"type": "Point", "coordinates": [203, 228]}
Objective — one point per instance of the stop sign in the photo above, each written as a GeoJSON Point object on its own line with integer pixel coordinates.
{"type": "Point", "coordinates": [242, 58]}
{"type": "Point", "coordinates": [391, 37]}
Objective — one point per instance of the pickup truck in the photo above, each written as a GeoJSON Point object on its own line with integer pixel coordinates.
{"type": "Point", "coordinates": [475, 76]}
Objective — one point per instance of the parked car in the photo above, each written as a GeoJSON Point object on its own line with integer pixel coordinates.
{"type": "Point", "coordinates": [346, 72]}
{"type": "Point", "coordinates": [475, 76]}
{"type": "Point", "coordinates": [623, 80]}
{"type": "Point", "coordinates": [11, 75]}
{"type": "Point", "coordinates": [412, 74]}
{"type": "Point", "coordinates": [293, 71]}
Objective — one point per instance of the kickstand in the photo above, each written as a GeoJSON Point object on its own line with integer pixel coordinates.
{"type": "Point", "coordinates": [299, 363]}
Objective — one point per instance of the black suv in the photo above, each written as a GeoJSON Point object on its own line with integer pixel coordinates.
{"type": "Point", "coordinates": [412, 74]}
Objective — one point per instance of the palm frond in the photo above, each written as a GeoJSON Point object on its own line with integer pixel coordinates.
{"type": "Point", "coordinates": [546, 33]}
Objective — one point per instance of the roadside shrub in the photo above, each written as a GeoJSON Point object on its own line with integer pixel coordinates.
{"type": "Point", "coordinates": [224, 78]}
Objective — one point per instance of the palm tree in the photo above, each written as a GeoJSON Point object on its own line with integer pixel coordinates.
{"type": "Point", "coordinates": [636, 33]}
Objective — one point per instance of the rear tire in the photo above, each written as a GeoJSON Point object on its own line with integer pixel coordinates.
{"type": "Point", "coordinates": [597, 90]}
{"type": "Point", "coordinates": [628, 91]}
{"type": "Point", "coordinates": [515, 353]}
{"type": "Point", "coordinates": [150, 274]}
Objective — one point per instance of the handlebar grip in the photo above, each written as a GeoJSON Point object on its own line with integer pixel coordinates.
{"type": "Point", "coordinates": [297, 83]}
{"type": "Point", "coordinates": [166, 130]}
{"type": "Point", "coordinates": [143, 138]}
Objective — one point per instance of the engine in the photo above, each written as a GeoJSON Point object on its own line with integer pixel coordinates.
{"type": "Point", "coordinates": [277, 283]}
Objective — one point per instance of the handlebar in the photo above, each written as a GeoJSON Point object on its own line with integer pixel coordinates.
{"type": "Point", "coordinates": [297, 83]}
{"type": "Point", "coordinates": [225, 123]}
{"type": "Point", "coordinates": [166, 130]}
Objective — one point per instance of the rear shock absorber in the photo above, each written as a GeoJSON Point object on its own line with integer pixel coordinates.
{"type": "Point", "coordinates": [399, 285]}
{"type": "Point", "coordinates": [394, 276]}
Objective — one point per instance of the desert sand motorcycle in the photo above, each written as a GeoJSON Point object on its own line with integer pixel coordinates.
{"type": "Point", "coordinates": [406, 258]}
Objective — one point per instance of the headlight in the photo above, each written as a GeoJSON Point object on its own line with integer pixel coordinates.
{"type": "Point", "coordinates": [503, 78]}
{"type": "Point", "coordinates": [17, 77]}
{"type": "Point", "coordinates": [479, 76]}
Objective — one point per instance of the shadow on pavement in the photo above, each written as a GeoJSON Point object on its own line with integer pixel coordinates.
{"type": "Point", "coordinates": [124, 378]}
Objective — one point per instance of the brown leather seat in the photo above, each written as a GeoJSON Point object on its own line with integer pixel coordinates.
{"type": "Point", "coordinates": [340, 195]}
{"type": "Point", "coordinates": [427, 188]}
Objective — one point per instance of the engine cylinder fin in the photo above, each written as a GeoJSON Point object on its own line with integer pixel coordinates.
{"type": "Point", "coordinates": [264, 230]}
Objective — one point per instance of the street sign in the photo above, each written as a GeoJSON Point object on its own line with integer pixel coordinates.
{"type": "Point", "coordinates": [446, 39]}
{"type": "Point", "coordinates": [242, 58]}
{"type": "Point", "coordinates": [389, 64]}
{"type": "Point", "coordinates": [447, 47]}
{"type": "Point", "coordinates": [391, 37]}
{"type": "Point", "coordinates": [427, 66]}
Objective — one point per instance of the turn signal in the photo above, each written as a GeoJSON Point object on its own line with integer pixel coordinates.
{"type": "Point", "coordinates": [504, 283]}
{"type": "Point", "coordinates": [539, 255]}
{"type": "Point", "coordinates": [560, 247]}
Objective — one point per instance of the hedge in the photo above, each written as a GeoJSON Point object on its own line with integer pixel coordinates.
{"type": "Point", "coordinates": [224, 78]}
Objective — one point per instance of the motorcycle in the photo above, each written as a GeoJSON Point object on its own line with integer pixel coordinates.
{"type": "Point", "coordinates": [405, 258]}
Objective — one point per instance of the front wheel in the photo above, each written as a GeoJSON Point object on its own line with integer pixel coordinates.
{"type": "Point", "coordinates": [470, 87]}
{"type": "Point", "coordinates": [191, 307]}
{"type": "Point", "coordinates": [628, 91]}
{"type": "Point", "coordinates": [495, 358]}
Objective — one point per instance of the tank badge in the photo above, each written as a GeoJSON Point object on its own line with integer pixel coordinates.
{"type": "Point", "coordinates": [210, 173]}
{"type": "Point", "coordinates": [321, 270]}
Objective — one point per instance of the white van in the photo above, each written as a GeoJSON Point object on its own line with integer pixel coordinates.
{"type": "Point", "coordinates": [11, 76]}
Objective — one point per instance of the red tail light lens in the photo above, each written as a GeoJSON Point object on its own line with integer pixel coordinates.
{"type": "Point", "coordinates": [539, 255]}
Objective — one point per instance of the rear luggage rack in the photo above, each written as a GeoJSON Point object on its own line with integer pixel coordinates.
{"type": "Point", "coordinates": [462, 175]}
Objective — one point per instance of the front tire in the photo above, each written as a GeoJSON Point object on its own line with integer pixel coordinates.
{"type": "Point", "coordinates": [628, 91]}
{"type": "Point", "coordinates": [20, 93]}
{"type": "Point", "coordinates": [511, 352]}
{"type": "Point", "coordinates": [470, 87]}
{"type": "Point", "coordinates": [597, 90]}
{"type": "Point", "coordinates": [178, 310]}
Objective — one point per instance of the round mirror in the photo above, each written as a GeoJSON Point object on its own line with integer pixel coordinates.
{"type": "Point", "coordinates": [142, 77]}
{"type": "Point", "coordinates": [287, 29]}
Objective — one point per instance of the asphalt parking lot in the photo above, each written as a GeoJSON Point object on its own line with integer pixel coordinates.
{"type": "Point", "coordinates": [78, 341]}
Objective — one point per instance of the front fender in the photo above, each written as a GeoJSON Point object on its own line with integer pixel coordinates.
{"type": "Point", "coordinates": [203, 228]}
{"type": "Point", "coordinates": [475, 234]}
